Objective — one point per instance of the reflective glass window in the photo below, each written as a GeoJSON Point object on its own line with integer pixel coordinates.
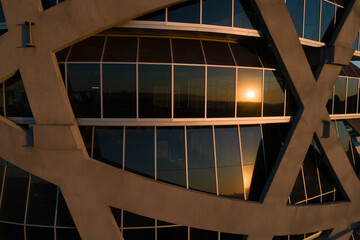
{"type": "Point", "coordinates": [154, 16]}
{"type": "Point", "coordinates": [14, 195]}
{"type": "Point", "coordinates": [84, 89]}
{"type": "Point", "coordinates": [11, 231]}
{"type": "Point", "coordinates": [36, 233]}
{"type": "Point", "coordinates": [42, 202]}
{"type": "Point", "coordinates": [202, 234]}
{"type": "Point", "coordinates": [310, 173]}
{"type": "Point", "coordinates": [136, 234]}
{"type": "Point", "coordinates": [221, 92]}
{"type": "Point", "coordinates": [244, 17]}
{"type": "Point", "coordinates": [327, 19]}
{"type": "Point", "coordinates": [312, 19]}
{"type": "Point", "coordinates": [298, 192]}
{"type": "Point", "coordinates": [296, 9]}
{"type": "Point", "coordinates": [356, 43]}
{"type": "Point", "coordinates": [154, 91]}
{"type": "Point", "coordinates": [134, 220]}
{"type": "Point", "coordinates": [155, 50]}
{"type": "Point", "coordinates": [273, 93]}
{"type": "Point", "coordinates": [201, 163]}
{"type": "Point", "coordinates": [62, 71]}
{"type": "Point", "coordinates": [86, 133]}
{"type": "Point", "coordinates": [62, 54]}
{"type": "Point", "coordinates": [139, 150]}
{"type": "Point", "coordinates": [340, 95]}
{"type": "Point", "coordinates": [173, 233]}
{"type": "Point", "coordinates": [291, 105]}
{"type": "Point", "coordinates": [1, 99]}
{"type": "Point", "coordinates": [329, 104]}
{"type": "Point", "coordinates": [228, 161]}
{"type": "Point", "coordinates": [67, 234]}
{"type": "Point", "coordinates": [350, 72]}
{"type": "Point", "coordinates": [2, 171]}
{"type": "Point", "coordinates": [119, 90]}
{"type": "Point", "coordinates": [117, 213]}
{"type": "Point", "coordinates": [2, 17]}
{"type": "Point", "coordinates": [121, 49]}
{"type": "Point", "coordinates": [216, 12]}
{"type": "Point", "coordinates": [48, 3]}
{"type": "Point", "coordinates": [267, 57]}
{"type": "Point", "coordinates": [245, 55]}
{"type": "Point", "coordinates": [188, 12]}
{"type": "Point", "coordinates": [64, 218]}
{"type": "Point", "coordinates": [189, 91]}
{"type": "Point", "coordinates": [249, 92]}
{"type": "Point", "coordinates": [187, 51]}
{"type": "Point", "coordinates": [253, 160]}
{"type": "Point", "coordinates": [352, 95]}
{"type": "Point", "coordinates": [108, 145]}
{"type": "Point", "coordinates": [218, 53]}
{"type": "Point", "coordinates": [345, 140]}
{"type": "Point", "coordinates": [17, 104]}
{"type": "Point", "coordinates": [228, 236]}
{"type": "Point", "coordinates": [88, 50]}
{"type": "Point", "coordinates": [170, 155]}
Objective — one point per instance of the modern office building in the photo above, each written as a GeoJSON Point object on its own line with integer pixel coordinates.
{"type": "Point", "coordinates": [178, 120]}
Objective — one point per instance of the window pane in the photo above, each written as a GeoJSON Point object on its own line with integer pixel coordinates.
{"type": "Point", "coordinates": [173, 233]}
{"type": "Point", "coordinates": [134, 220]}
{"type": "Point", "coordinates": [298, 192]}
{"type": "Point", "coordinates": [201, 163]}
{"type": "Point", "coordinates": [352, 95]}
{"type": "Point", "coordinates": [356, 43]}
{"type": "Point", "coordinates": [86, 133]}
{"type": "Point", "coordinates": [36, 233]}
{"type": "Point", "coordinates": [296, 9]}
{"type": "Point", "coordinates": [244, 17]}
{"type": "Point", "coordinates": [267, 57]}
{"type": "Point", "coordinates": [291, 105]}
{"type": "Point", "coordinates": [154, 91]}
{"type": "Point", "coordinates": [273, 94]}
{"type": "Point", "coordinates": [84, 89]}
{"type": "Point", "coordinates": [253, 159]}
{"type": "Point", "coordinates": [245, 55]}
{"type": "Point", "coordinates": [1, 99]}
{"type": "Point", "coordinates": [2, 17]}
{"type": "Point", "coordinates": [329, 104]}
{"type": "Point", "coordinates": [189, 91]}
{"type": "Point", "coordinates": [11, 231]}
{"type": "Point", "coordinates": [216, 12]}
{"type": "Point", "coordinates": [188, 12]}
{"type": "Point", "coordinates": [155, 50]}
{"type": "Point", "coordinates": [42, 202]}
{"type": "Point", "coordinates": [139, 150]}
{"type": "Point", "coordinates": [62, 54]}
{"type": "Point", "coordinates": [340, 92]}
{"type": "Point", "coordinates": [155, 16]}
{"type": "Point", "coordinates": [62, 71]}
{"type": "Point", "coordinates": [88, 50]}
{"type": "Point", "coordinates": [14, 195]}
{"type": "Point", "coordinates": [228, 236]}
{"type": "Point", "coordinates": [137, 234]}
{"type": "Point", "coordinates": [202, 234]}
{"type": "Point", "coordinates": [119, 90]}
{"type": "Point", "coordinates": [327, 19]}
{"type": "Point", "coordinates": [170, 154]}
{"type": "Point", "coordinates": [17, 104]}
{"type": "Point", "coordinates": [64, 218]}
{"type": "Point", "coordinates": [121, 49]}
{"type": "Point", "coordinates": [345, 140]}
{"type": "Point", "coordinates": [2, 171]}
{"type": "Point", "coordinates": [221, 92]}
{"type": "Point", "coordinates": [310, 173]}
{"type": "Point", "coordinates": [108, 145]}
{"type": "Point", "coordinates": [249, 91]}
{"type": "Point", "coordinates": [187, 51]}
{"type": "Point", "coordinates": [228, 162]}
{"type": "Point", "coordinates": [218, 53]}
{"type": "Point", "coordinates": [312, 16]}
{"type": "Point", "coordinates": [67, 234]}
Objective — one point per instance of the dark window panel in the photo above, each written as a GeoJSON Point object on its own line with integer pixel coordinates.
{"type": "Point", "coordinates": [230, 177]}
{"type": "Point", "coordinates": [137, 234]}
{"type": "Point", "coordinates": [62, 54]}
{"type": "Point", "coordinates": [253, 160]}
{"type": "Point", "coordinates": [36, 233]}
{"type": "Point", "coordinates": [188, 12]}
{"type": "Point", "coordinates": [326, 178]}
{"type": "Point", "coordinates": [11, 232]}
{"type": "Point", "coordinates": [350, 71]}
{"type": "Point", "coordinates": [274, 93]}
{"type": "Point", "coordinates": [267, 57]}
{"type": "Point", "coordinates": [201, 163]}
{"type": "Point", "coordinates": [84, 89]}
{"type": "Point", "coordinates": [154, 91]}
{"type": "Point", "coordinates": [42, 202]}
{"type": "Point", "coordinates": [173, 233]}
{"type": "Point", "coordinates": [296, 10]}
{"type": "Point", "coordinates": [245, 55]}
{"type": "Point", "coordinates": [67, 234]}
{"type": "Point", "coordinates": [136, 160]}
{"type": "Point", "coordinates": [217, 53]}
{"type": "Point", "coordinates": [327, 20]}
{"type": "Point", "coordinates": [121, 49]}
{"type": "Point", "coordinates": [108, 145]}
{"type": "Point", "coordinates": [352, 95]}
{"type": "Point", "coordinates": [189, 91]}
{"type": "Point", "coordinates": [312, 19]}
{"type": "Point", "coordinates": [202, 234]}
{"type": "Point", "coordinates": [117, 215]}
{"type": "Point", "coordinates": [355, 69]}
{"type": "Point", "coordinates": [228, 236]}
{"type": "Point", "coordinates": [244, 16]}
{"type": "Point", "coordinates": [342, 72]}
{"type": "Point", "coordinates": [48, 3]}
{"type": "Point", "coordinates": [249, 92]}
{"type": "Point", "coordinates": [1, 99]}
{"type": "Point", "coordinates": [291, 105]}
{"type": "Point", "coordinates": [62, 72]}
{"type": "Point", "coordinates": [221, 92]}
{"type": "Point", "coordinates": [154, 16]}
{"type": "Point", "coordinates": [163, 223]}
{"type": "Point", "coordinates": [2, 17]}
{"type": "Point", "coordinates": [340, 95]}
{"type": "Point", "coordinates": [298, 192]}
{"type": "Point", "coordinates": [17, 104]}
{"type": "Point", "coordinates": [310, 173]}
{"type": "Point", "coordinates": [187, 51]}
{"type": "Point", "coordinates": [329, 197]}
{"type": "Point", "coordinates": [329, 104]}
{"type": "Point", "coordinates": [217, 12]}
{"type": "Point", "coordinates": [119, 90]}
{"type": "Point", "coordinates": [2, 171]}
{"type": "Point", "coordinates": [280, 238]}
{"type": "Point", "coordinates": [88, 50]}
{"type": "Point", "coordinates": [134, 220]}
{"type": "Point", "coordinates": [64, 218]}
{"type": "Point", "coordinates": [154, 50]}
{"type": "Point", "coordinates": [355, 46]}
{"type": "Point", "coordinates": [170, 153]}
{"type": "Point", "coordinates": [14, 195]}
{"type": "Point", "coordinates": [86, 133]}
{"type": "Point", "coordinates": [345, 140]}
{"type": "Point", "coordinates": [297, 237]}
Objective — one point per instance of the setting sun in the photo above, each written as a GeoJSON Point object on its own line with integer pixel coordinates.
{"type": "Point", "coordinates": [251, 94]}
